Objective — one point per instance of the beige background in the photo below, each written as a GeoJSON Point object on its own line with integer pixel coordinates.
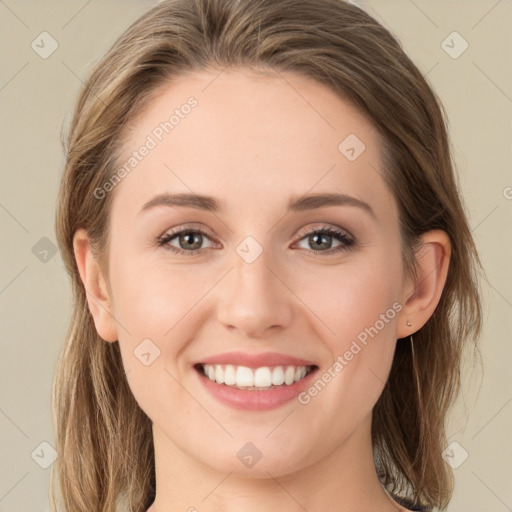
{"type": "Point", "coordinates": [36, 97]}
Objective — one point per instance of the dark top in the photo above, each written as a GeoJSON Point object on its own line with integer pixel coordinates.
{"type": "Point", "coordinates": [410, 505]}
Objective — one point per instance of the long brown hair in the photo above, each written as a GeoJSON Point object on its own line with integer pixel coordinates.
{"type": "Point", "coordinates": [104, 440]}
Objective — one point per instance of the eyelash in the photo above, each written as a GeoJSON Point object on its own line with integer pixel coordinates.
{"type": "Point", "coordinates": [346, 245]}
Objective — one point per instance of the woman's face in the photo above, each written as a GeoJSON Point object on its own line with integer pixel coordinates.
{"type": "Point", "coordinates": [259, 289]}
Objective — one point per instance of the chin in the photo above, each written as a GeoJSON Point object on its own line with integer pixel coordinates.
{"type": "Point", "coordinates": [258, 460]}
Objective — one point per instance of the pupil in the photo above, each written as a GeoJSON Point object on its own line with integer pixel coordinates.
{"type": "Point", "coordinates": [316, 237]}
{"type": "Point", "coordinates": [190, 238]}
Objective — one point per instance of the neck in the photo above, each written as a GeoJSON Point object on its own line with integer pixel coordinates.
{"type": "Point", "coordinates": [345, 477]}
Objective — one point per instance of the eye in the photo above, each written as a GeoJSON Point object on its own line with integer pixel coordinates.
{"type": "Point", "coordinates": [188, 238]}
{"type": "Point", "coordinates": [321, 238]}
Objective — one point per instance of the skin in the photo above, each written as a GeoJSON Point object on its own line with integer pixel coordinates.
{"type": "Point", "coordinates": [254, 141]}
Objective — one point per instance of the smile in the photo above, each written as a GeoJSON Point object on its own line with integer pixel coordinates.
{"type": "Point", "coordinates": [259, 388]}
{"type": "Point", "coordinates": [254, 379]}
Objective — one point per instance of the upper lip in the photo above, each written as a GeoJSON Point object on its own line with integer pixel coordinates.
{"type": "Point", "coordinates": [255, 360]}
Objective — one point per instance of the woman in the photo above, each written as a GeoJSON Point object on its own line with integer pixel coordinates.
{"type": "Point", "coordinates": [273, 273]}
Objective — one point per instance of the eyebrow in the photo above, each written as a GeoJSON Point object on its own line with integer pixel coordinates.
{"type": "Point", "coordinates": [296, 204]}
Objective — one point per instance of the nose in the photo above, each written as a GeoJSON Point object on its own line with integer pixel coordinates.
{"type": "Point", "coordinates": [255, 299]}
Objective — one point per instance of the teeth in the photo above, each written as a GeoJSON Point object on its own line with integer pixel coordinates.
{"type": "Point", "coordinates": [229, 375]}
{"type": "Point", "coordinates": [277, 376]}
{"type": "Point", "coordinates": [263, 377]}
{"type": "Point", "coordinates": [254, 378]}
{"type": "Point", "coordinates": [219, 374]}
{"type": "Point", "coordinates": [300, 373]}
{"type": "Point", "coordinates": [289, 375]}
{"type": "Point", "coordinates": [244, 377]}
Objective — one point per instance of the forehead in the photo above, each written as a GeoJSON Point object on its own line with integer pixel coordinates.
{"type": "Point", "coordinates": [251, 138]}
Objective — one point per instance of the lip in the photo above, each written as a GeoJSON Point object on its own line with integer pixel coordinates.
{"type": "Point", "coordinates": [255, 360]}
{"type": "Point", "coordinates": [254, 400]}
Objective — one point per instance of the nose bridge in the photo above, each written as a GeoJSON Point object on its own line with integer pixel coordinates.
{"type": "Point", "coordinates": [252, 264]}
{"type": "Point", "coordinates": [253, 299]}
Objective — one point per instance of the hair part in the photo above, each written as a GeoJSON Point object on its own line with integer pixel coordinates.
{"type": "Point", "coordinates": [103, 438]}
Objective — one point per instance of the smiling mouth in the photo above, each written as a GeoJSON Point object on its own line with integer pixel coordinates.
{"type": "Point", "coordinates": [254, 379]}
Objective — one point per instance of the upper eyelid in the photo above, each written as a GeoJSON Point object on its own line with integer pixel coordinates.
{"type": "Point", "coordinates": [325, 227]}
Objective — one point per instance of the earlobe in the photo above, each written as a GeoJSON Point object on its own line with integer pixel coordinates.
{"type": "Point", "coordinates": [432, 263]}
{"type": "Point", "coordinates": [94, 283]}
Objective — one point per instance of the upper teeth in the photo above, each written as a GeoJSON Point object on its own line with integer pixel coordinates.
{"type": "Point", "coordinates": [260, 378]}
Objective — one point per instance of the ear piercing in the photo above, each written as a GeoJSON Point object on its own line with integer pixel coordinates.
{"type": "Point", "coordinates": [409, 323]}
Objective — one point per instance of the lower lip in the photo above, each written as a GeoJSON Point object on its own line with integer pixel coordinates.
{"type": "Point", "coordinates": [254, 400]}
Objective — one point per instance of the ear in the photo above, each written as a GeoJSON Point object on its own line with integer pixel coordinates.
{"type": "Point", "coordinates": [95, 286]}
{"type": "Point", "coordinates": [421, 298]}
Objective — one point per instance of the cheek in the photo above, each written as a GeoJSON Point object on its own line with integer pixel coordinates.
{"type": "Point", "coordinates": [156, 301]}
{"type": "Point", "coordinates": [348, 298]}
{"type": "Point", "coordinates": [156, 308]}
{"type": "Point", "coordinates": [357, 306]}
{"type": "Point", "coordinates": [151, 298]}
